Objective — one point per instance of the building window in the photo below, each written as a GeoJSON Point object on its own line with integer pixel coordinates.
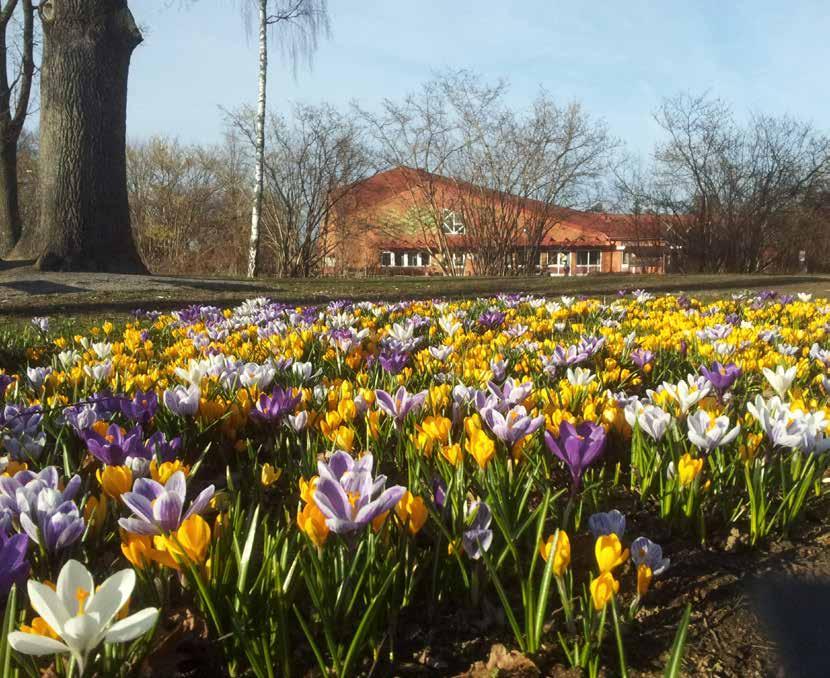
{"type": "Point", "coordinates": [628, 259]}
{"type": "Point", "coordinates": [453, 225]}
{"type": "Point", "coordinates": [458, 260]}
{"type": "Point", "coordinates": [387, 259]}
{"type": "Point", "coordinates": [588, 261]}
{"type": "Point", "coordinates": [557, 262]}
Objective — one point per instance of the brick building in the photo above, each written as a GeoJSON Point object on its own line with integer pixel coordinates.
{"type": "Point", "coordinates": [407, 221]}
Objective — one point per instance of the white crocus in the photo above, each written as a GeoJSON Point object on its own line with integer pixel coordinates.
{"type": "Point", "coordinates": [804, 296]}
{"type": "Point", "coordinates": [449, 325]}
{"type": "Point", "coordinates": [580, 376]}
{"type": "Point", "coordinates": [781, 379]}
{"type": "Point", "coordinates": [654, 421]}
{"type": "Point", "coordinates": [707, 432]}
{"type": "Point", "coordinates": [98, 372]}
{"type": "Point", "coordinates": [81, 615]}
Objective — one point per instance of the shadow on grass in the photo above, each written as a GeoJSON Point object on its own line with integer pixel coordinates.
{"type": "Point", "coordinates": [184, 291]}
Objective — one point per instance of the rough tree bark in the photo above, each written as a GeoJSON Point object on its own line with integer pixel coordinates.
{"type": "Point", "coordinates": [12, 118]}
{"type": "Point", "coordinates": [84, 211]}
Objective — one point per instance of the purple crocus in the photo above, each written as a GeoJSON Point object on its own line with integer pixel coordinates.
{"type": "Point", "coordinates": [183, 400]}
{"type": "Point", "coordinates": [722, 377]}
{"type": "Point", "coordinates": [478, 537]}
{"type": "Point", "coordinates": [157, 508]}
{"type": "Point", "coordinates": [401, 404]}
{"type": "Point", "coordinates": [47, 514]}
{"type": "Point", "coordinates": [393, 362]}
{"type": "Point", "coordinates": [512, 426]}
{"type": "Point", "coordinates": [491, 319]}
{"type": "Point", "coordinates": [577, 446]}
{"type": "Point", "coordinates": [612, 522]}
{"type": "Point", "coordinates": [641, 357]}
{"type": "Point", "coordinates": [162, 449]}
{"type": "Point", "coordinates": [273, 408]}
{"type": "Point", "coordinates": [14, 568]}
{"type": "Point", "coordinates": [116, 445]}
{"type": "Point", "coordinates": [141, 408]}
{"type": "Point", "coordinates": [5, 382]}
{"type": "Point", "coordinates": [349, 496]}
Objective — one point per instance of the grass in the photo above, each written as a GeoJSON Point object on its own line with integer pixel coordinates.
{"type": "Point", "coordinates": [182, 291]}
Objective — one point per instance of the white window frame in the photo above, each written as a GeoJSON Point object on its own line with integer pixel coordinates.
{"type": "Point", "coordinates": [458, 265]}
{"type": "Point", "coordinates": [562, 260]}
{"type": "Point", "coordinates": [453, 224]}
{"type": "Point", "coordinates": [585, 269]}
{"type": "Point", "coordinates": [391, 259]}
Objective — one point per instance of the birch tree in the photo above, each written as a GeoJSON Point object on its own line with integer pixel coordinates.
{"type": "Point", "coordinates": [298, 25]}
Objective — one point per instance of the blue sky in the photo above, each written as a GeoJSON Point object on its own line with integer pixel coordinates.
{"type": "Point", "coordinates": [618, 58]}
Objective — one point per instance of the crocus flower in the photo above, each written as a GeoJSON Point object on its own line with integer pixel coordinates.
{"type": "Point", "coordinates": [48, 518]}
{"type": "Point", "coordinates": [651, 419]}
{"type": "Point", "coordinates": [641, 357]}
{"type": "Point", "coordinates": [393, 361]}
{"type": "Point", "coordinates": [478, 537]}
{"type": "Point", "coordinates": [562, 557]}
{"type": "Point", "coordinates": [568, 357]}
{"type": "Point", "coordinates": [707, 432]}
{"type": "Point", "coordinates": [157, 508]}
{"type": "Point", "coordinates": [578, 447]}
{"type": "Point", "coordinates": [401, 404]}
{"type": "Point", "coordinates": [158, 447]}
{"type": "Point", "coordinates": [5, 382]}
{"type": "Point", "coordinates": [646, 552]}
{"type": "Point", "coordinates": [512, 426]}
{"type": "Point", "coordinates": [14, 567]}
{"type": "Point", "coordinates": [81, 614]}
{"type": "Point", "coordinates": [721, 376]}
{"type": "Point", "coordinates": [781, 379]}
{"type": "Point", "coordinates": [609, 552]}
{"type": "Point", "coordinates": [183, 400]}
{"type": "Point", "coordinates": [612, 522]}
{"type": "Point", "coordinates": [115, 445]}
{"type": "Point", "coordinates": [603, 588]}
{"type": "Point", "coordinates": [349, 496]}
{"type": "Point", "coordinates": [274, 407]}
{"type": "Point", "coordinates": [141, 408]}
{"type": "Point", "coordinates": [491, 319]}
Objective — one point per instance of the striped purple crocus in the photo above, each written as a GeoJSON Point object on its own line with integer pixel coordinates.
{"type": "Point", "coordinates": [157, 508]}
{"type": "Point", "coordinates": [347, 494]}
{"type": "Point", "coordinates": [401, 404]}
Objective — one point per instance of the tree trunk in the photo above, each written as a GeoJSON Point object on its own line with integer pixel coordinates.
{"type": "Point", "coordinates": [256, 211]}
{"type": "Point", "coordinates": [84, 210]}
{"type": "Point", "coordinates": [10, 225]}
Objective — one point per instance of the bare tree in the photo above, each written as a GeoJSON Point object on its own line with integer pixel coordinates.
{"type": "Point", "coordinates": [299, 23]}
{"type": "Point", "coordinates": [15, 90]}
{"type": "Point", "coordinates": [312, 161]}
{"type": "Point", "coordinates": [507, 174]}
{"type": "Point", "coordinates": [727, 191]}
{"type": "Point", "coordinates": [187, 203]}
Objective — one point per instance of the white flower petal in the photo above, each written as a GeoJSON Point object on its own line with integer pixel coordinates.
{"type": "Point", "coordinates": [73, 576]}
{"type": "Point", "coordinates": [48, 605]}
{"type": "Point", "coordinates": [133, 626]}
{"type": "Point", "coordinates": [31, 643]}
{"type": "Point", "coordinates": [112, 596]}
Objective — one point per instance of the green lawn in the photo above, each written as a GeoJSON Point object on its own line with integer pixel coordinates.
{"type": "Point", "coordinates": [181, 291]}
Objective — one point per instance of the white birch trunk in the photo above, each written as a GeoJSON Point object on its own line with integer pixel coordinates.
{"type": "Point", "coordinates": [259, 151]}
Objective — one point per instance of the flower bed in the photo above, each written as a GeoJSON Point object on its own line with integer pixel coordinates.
{"type": "Point", "coordinates": [305, 488]}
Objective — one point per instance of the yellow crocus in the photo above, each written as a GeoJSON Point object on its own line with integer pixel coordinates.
{"type": "Point", "coordinates": [412, 512]}
{"type": "Point", "coordinates": [688, 468]}
{"type": "Point", "coordinates": [603, 589]}
{"type": "Point", "coordinates": [480, 446]}
{"type": "Point", "coordinates": [562, 559]}
{"type": "Point", "coordinates": [161, 472]}
{"type": "Point", "coordinates": [115, 480]}
{"type": "Point", "coordinates": [644, 577]}
{"type": "Point", "coordinates": [313, 523]}
{"type": "Point", "coordinates": [269, 475]}
{"type": "Point", "coordinates": [190, 541]}
{"type": "Point", "coordinates": [609, 552]}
